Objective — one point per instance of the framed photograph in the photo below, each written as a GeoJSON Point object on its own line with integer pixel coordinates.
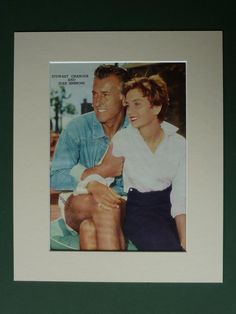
{"type": "Point", "coordinates": [47, 77]}
{"type": "Point", "coordinates": [73, 90]}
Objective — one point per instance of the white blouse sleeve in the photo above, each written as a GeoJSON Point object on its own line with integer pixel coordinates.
{"type": "Point", "coordinates": [178, 193]}
{"type": "Point", "coordinates": [117, 142]}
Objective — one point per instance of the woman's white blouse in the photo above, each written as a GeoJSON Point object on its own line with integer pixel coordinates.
{"type": "Point", "coordinates": [147, 171]}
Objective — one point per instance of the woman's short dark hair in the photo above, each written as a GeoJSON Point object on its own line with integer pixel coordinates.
{"type": "Point", "coordinates": [106, 70]}
{"type": "Point", "coordinates": [152, 87]}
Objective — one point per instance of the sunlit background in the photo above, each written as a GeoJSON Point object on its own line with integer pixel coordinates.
{"type": "Point", "coordinates": [71, 91]}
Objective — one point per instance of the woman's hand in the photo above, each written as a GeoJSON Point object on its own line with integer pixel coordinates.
{"type": "Point", "coordinates": [103, 195]}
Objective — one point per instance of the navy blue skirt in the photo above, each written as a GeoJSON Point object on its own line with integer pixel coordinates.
{"type": "Point", "coordinates": [148, 221]}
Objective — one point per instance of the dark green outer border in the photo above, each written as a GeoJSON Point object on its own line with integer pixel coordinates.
{"type": "Point", "coordinates": [43, 297]}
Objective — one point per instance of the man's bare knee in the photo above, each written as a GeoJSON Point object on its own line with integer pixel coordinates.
{"type": "Point", "coordinates": [81, 202]}
{"type": "Point", "coordinates": [80, 206]}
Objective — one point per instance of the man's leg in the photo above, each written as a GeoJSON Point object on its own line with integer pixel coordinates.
{"type": "Point", "coordinates": [107, 221]}
{"type": "Point", "coordinates": [88, 240]}
{"type": "Point", "coordinates": [77, 209]}
{"type": "Point", "coordinates": [108, 233]}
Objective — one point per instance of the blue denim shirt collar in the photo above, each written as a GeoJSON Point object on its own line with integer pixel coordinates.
{"type": "Point", "coordinates": [98, 129]}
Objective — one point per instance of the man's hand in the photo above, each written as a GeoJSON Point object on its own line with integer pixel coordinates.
{"type": "Point", "coordinates": [111, 166]}
{"type": "Point", "coordinates": [103, 195]}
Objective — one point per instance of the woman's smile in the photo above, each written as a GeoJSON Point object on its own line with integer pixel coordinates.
{"type": "Point", "coordinates": [132, 118]}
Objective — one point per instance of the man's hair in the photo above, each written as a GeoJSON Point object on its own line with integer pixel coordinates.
{"type": "Point", "coordinates": [106, 70]}
{"type": "Point", "coordinates": [152, 87]}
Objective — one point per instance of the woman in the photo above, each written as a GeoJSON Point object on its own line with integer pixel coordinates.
{"type": "Point", "coordinates": [154, 169]}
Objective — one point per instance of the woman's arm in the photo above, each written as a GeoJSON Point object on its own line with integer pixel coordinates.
{"type": "Point", "coordinates": [181, 228]}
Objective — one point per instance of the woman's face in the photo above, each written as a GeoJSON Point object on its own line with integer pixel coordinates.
{"type": "Point", "coordinates": [139, 109]}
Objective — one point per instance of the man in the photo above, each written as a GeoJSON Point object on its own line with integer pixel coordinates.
{"type": "Point", "coordinates": [80, 148]}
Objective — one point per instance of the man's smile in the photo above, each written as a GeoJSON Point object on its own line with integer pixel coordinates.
{"type": "Point", "coordinates": [101, 110]}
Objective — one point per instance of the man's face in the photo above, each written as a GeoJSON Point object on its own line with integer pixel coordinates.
{"type": "Point", "coordinates": [107, 98]}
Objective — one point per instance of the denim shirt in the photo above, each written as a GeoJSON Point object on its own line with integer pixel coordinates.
{"type": "Point", "coordinates": [81, 145]}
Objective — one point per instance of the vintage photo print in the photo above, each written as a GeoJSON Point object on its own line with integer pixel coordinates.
{"type": "Point", "coordinates": [80, 110]}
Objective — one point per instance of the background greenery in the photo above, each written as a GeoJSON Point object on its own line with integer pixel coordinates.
{"type": "Point", "coordinates": [39, 297]}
